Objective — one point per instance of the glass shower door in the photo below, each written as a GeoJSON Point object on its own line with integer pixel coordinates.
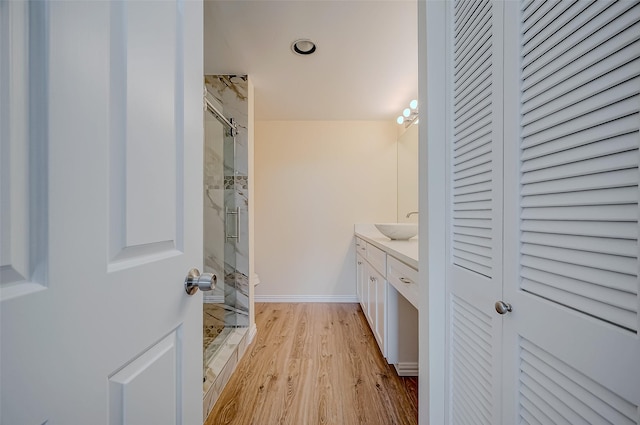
{"type": "Point", "coordinates": [221, 229]}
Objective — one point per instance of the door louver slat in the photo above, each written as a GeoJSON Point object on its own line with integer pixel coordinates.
{"type": "Point", "coordinates": [472, 240]}
{"type": "Point", "coordinates": [623, 247]}
{"type": "Point", "coordinates": [616, 230]}
{"type": "Point", "coordinates": [616, 196]}
{"type": "Point", "coordinates": [474, 231]}
{"type": "Point", "coordinates": [472, 197]}
{"type": "Point", "coordinates": [621, 178]}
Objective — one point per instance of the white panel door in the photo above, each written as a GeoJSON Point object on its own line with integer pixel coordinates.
{"type": "Point", "coordinates": [572, 133]}
{"type": "Point", "coordinates": [101, 166]}
{"type": "Point", "coordinates": [474, 231]}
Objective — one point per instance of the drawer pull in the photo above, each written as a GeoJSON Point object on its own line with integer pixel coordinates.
{"type": "Point", "coordinates": [405, 280]}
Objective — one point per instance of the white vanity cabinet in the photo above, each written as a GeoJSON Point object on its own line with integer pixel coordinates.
{"type": "Point", "coordinates": [387, 290]}
{"type": "Point", "coordinates": [371, 288]}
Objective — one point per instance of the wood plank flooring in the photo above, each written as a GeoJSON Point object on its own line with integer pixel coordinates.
{"type": "Point", "coordinates": [315, 363]}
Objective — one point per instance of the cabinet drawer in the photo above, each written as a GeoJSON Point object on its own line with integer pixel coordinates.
{"type": "Point", "coordinates": [404, 279]}
{"type": "Point", "coordinates": [377, 258]}
{"type": "Point", "coordinates": [361, 247]}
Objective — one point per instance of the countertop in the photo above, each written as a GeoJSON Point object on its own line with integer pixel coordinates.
{"type": "Point", "coordinates": [405, 251]}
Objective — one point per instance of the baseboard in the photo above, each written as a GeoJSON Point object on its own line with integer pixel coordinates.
{"type": "Point", "coordinates": [407, 368]}
{"type": "Point", "coordinates": [306, 299]}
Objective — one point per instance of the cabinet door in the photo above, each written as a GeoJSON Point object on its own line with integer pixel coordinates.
{"type": "Point", "coordinates": [371, 298]}
{"type": "Point", "coordinates": [381, 316]}
{"type": "Point", "coordinates": [361, 287]}
{"type": "Point", "coordinates": [376, 306]}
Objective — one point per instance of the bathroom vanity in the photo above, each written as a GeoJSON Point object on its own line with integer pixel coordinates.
{"type": "Point", "coordinates": [387, 289]}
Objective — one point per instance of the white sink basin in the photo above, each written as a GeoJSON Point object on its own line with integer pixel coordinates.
{"type": "Point", "coordinates": [398, 231]}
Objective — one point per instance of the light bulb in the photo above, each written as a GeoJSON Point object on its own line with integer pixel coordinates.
{"type": "Point", "coordinates": [413, 104]}
{"type": "Point", "coordinates": [406, 112]}
{"type": "Point", "coordinates": [400, 119]}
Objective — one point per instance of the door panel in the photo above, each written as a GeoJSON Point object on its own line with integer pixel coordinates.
{"type": "Point", "coordinates": [105, 234]}
{"type": "Point", "coordinates": [474, 231]}
{"type": "Point", "coordinates": [144, 56]}
{"type": "Point", "coordinates": [571, 214]}
{"type": "Point", "coordinates": [130, 400]}
{"type": "Point", "coordinates": [24, 157]}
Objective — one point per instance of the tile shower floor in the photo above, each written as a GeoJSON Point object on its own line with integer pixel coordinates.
{"type": "Point", "coordinates": [213, 330]}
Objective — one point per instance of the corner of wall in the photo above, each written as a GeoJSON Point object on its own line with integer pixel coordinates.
{"type": "Point", "coordinates": [251, 200]}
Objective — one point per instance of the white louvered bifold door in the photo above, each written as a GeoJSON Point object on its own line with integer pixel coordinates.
{"type": "Point", "coordinates": [572, 104]}
{"type": "Point", "coordinates": [474, 229]}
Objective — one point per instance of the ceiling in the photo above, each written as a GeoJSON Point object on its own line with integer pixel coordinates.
{"type": "Point", "coordinates": [365, 66]}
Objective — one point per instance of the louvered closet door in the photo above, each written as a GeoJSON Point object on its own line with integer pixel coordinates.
{"type": "Point", "coordinates": [572, 103]}
{"type": "Point", "coordinates": [474, 227]}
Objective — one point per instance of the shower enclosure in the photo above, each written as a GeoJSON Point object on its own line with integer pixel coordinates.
{"type": "Point", "coordinates": [225, 309]}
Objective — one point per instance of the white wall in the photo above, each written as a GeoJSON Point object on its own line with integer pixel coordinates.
{"type": "Point", "coordinates": [313, 181]}
{"type": "Point", "coordinates": [251, 200]}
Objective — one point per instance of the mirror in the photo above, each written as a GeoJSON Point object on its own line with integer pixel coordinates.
{"type": "Point", "coordinates": [408, 174]}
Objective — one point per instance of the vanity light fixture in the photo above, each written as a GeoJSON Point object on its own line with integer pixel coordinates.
{"type": "Point", "coordinates": [409, 115]}
{"type": "Point", "coordinates": [303, 47]}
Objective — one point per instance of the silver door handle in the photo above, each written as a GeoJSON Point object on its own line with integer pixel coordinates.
{"type": "Point", "coordinates": [195, 281]}
{"type": "Point", "coordinates": [503, 307]}
{"type": "Point", "coordinates": [235, 213]}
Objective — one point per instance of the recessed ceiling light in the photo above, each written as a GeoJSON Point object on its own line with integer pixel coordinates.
{"type": "Point", "coordinates": [303, 47]}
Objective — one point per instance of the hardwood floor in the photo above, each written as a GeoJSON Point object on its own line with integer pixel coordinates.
{"type": "Point", "coordinates": [314, 363]}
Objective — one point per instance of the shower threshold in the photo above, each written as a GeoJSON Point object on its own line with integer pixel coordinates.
{"type": "Point", "coordinates": [221, 364]}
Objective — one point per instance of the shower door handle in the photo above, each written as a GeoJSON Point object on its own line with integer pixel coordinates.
{"type": "Point", "coordinates": [195, 281]}
{"type": "Point", "coordinates": [235, 213]}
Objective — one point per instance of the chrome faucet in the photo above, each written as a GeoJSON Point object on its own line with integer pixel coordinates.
{"type": "Point", "coordinates": [411, 213]}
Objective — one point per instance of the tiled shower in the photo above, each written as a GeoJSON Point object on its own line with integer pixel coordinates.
{"type": "Point", "coordinates": [226, 241]}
